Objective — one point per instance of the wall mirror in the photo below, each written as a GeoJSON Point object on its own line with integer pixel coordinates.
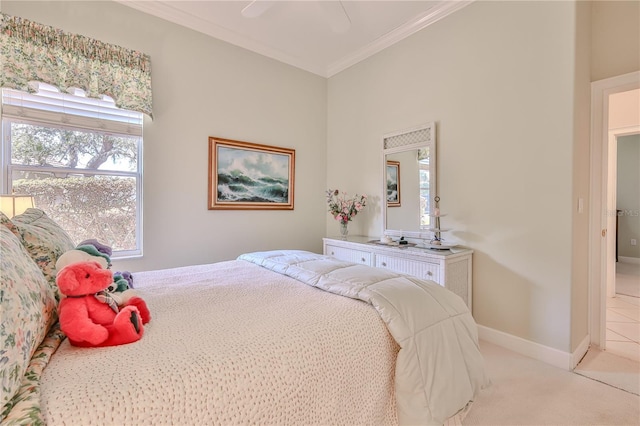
{"type": "Point", "coordinates": [409, 172]}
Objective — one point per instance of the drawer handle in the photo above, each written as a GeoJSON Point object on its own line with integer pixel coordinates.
{"type": "Point", "coordinates": [332, 253]}
{"type": "Point", "coordinates": [429, 273]}
{"type": "Point", "coordinates": [362, 260]}
{"type": "Point", "coordinates": [384, 263]}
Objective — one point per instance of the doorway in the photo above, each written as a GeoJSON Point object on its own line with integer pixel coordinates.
{"type": "Point", "coordinates": [608, 366]}
{"type": "Point", "coordinates": [603, 211]}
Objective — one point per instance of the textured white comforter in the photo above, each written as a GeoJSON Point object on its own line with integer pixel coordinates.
{"type": "Point", "coordinates": [439, 369]}
{"type": "Point", "coordinates": [263, 340]}
{"type": "Point", "coordinates": [231, 343]}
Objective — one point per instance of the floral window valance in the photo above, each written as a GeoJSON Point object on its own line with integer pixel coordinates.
{"type": "Point", "coordinates": [34, 52]}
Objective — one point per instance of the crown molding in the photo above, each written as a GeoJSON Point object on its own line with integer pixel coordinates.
{"type": "Point", "coordinates": [164, 10]}
{"type": "Point", "coordinates": [436, 13]}
{"type": "Point", "coordinates": [169, 13]}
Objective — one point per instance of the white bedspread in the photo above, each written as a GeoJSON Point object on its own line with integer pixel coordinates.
{"type": "Point", "coordinates": [231, 343]}
{"type": "Point", "coordinates": [439, 367]}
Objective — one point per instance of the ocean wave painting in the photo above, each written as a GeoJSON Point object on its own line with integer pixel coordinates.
{"type": "Point", "coordinates": [243, 188]}
{"type": "Point", "coordinates": [247, 175]}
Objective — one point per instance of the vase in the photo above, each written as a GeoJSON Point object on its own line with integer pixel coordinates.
{"type": "Point", "coordinates": [344, 229]}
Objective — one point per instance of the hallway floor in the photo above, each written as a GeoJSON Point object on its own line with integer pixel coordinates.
{"type": "Point", "coordinates": [623, 316]}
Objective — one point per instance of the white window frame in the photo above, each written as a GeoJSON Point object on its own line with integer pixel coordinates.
{"type": "Point", "coordinates": [50, 108]}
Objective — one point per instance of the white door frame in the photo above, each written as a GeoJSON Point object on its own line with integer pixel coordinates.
{"type": "Point", "coordinates": [598, 215]}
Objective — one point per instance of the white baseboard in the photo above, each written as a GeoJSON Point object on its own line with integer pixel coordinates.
{"type": "Point", "coordinates": [580, 352]}
{"type": "Point", "coordinates": [549, 355]}
{"type": "Point", "coordinates": [625, 259]}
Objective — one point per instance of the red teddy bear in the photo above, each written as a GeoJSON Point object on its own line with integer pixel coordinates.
{"type": "Point", "coordinates": [89, 316]}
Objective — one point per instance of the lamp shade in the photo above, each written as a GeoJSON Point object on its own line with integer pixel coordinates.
{"type": "Point", "coordinates": [13, 205]}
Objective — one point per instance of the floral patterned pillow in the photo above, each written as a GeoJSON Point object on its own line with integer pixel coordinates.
{"type": "Point", "coordinates": [28, 307]}
{"type": "Point", "coordinates": [44, 239]}
{"type": "Point", "coordinates": [4, 220]}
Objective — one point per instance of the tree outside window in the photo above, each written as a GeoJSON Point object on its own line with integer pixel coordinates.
{"type": "Point", "coordinates": [86, 179]}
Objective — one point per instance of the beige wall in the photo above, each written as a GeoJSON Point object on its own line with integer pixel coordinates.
{"type": "Point", "coordinates": [498, 79]}
{"type": "Point", "coordinates": [616, 38]}
{"type": "Point", "coordinates": [510, 173]}
{"type": "Point", "coordinates": [624, 109]}
{"type": "Point", "coordinates": [581, 176]}
{"type": "Point", "coordinates": [205, 87]}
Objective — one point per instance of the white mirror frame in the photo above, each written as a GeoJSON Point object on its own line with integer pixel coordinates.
{"type": "Point", "coordinates": [429, 140]}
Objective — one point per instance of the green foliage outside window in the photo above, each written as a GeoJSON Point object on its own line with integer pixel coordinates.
{"type": "Point", "coordinates": [85, 180]}
{"type": "Point", "coordinates": [101, 207]}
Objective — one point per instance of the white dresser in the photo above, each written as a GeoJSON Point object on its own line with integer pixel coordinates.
{"type": "Point", "coordinates": [449, 268]}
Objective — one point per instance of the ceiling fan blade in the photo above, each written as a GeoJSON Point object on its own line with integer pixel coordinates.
{"type": "Point", "coordinates": [337, 16]}
{"type": "Point", "coordinates": [256, 8]}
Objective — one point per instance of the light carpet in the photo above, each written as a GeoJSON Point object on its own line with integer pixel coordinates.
{"type": "Point", "coordinates": [529, 392]}
{"type": "Point", "coordinates": [611, 369]}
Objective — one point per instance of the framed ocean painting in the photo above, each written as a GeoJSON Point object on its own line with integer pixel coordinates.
{"type": "Point", "coordinates": [244, 175]}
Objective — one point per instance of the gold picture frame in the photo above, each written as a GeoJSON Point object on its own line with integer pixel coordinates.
{"type": "Point", "coordinates": [250, 176]}
{"type": "Point", "coordinates": [393, 183]}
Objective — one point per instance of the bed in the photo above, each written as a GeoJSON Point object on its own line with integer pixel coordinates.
{"type": "Point", "coordinates": [278, 337]}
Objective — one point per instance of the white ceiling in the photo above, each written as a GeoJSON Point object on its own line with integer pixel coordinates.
{"type": "Point", "coordinates": [299, 32]}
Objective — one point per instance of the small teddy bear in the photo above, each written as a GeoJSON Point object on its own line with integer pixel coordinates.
{"type": "Point", "coordinates": [121, 289]}
{"type": "Point", "coordinates": [126, 275]}
{"type": "Point", "coordinates": [89, 316]}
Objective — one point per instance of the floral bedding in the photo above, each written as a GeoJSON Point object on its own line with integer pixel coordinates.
{"type": "Point", "coordinates": [44, 240]}
{"type": "Point", "coordinates": [25, 405]}
{"type": "Point", "coordinates": [29, 246]}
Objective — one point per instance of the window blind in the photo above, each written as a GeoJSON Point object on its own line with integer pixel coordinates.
{"type": "Point", "coordinates": [50, 105]}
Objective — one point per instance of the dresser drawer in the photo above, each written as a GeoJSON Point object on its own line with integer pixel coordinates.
{"type": "Point", "coordinates": [349, 255]}
{"type": "Point", "coordinates": [424, 270]}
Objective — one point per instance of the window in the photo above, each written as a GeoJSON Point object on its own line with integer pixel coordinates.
{"type": "Point", "coordinates": [425, 189]}
{"type": "Point", "coordinates": [81, 160]}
